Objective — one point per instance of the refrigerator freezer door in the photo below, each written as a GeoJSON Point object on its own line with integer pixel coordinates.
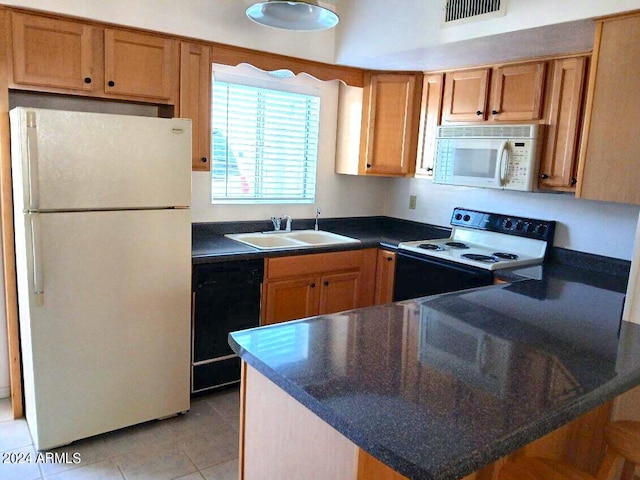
{"type": "Point", "coordinates": [107, 342]}
{"type": "Point", "coordinates": [89, 161]}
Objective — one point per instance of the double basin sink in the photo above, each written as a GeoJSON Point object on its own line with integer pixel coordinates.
{"type": "Point", "coordinates": [292, 239]}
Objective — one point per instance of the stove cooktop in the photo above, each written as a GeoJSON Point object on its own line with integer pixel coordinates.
{"type": "Point", "coordinates": [489, 241]}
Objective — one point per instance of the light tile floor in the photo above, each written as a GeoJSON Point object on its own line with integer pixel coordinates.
{"type": "Point", "coordinates": [202, 444]}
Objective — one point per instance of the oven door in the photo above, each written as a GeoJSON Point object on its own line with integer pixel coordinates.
{"type": "Point", "coordinates": [472, 162]}
{"type": "Point", "coordinates": [419, 275]}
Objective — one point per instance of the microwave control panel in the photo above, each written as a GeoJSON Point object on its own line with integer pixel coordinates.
{"type": "Point", "coordinates": [519, 175]}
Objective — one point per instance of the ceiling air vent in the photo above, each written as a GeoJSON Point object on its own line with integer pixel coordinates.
{"type": "Point", "coordinates": [463, 11]}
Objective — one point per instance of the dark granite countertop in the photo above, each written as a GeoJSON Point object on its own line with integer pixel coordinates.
{"type": "Point", "coordinates": [210, 245]}
{"type": "Point", "coordinates": [441, 386]}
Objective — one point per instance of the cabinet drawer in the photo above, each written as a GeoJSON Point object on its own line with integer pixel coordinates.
{"type": "Point", "coordinates": [313, 264]}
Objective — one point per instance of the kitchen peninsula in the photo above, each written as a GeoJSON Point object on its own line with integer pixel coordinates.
{"type": "Point", "coordinates": [437, 387]}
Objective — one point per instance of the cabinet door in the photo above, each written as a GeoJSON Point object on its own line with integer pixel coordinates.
{"type": "Point", "coordinates": [52, 53]}
{"type": "Point", "coordinates": [516, 92]}
{"type": "Point", "coordinates": [559, 160]}
{"type": "Point", "coordinates": [431, 108]}
{"type": "Point", "coordinates": [195, 100]}
{"type": "Point", "coordinates": [608, 168]}
{"type": "Point", "coordinates": [465, 96]}
{"type": "Point", "coordinates": [139, 65]}
{"type": "Point", "coordinates": [339, 292]}
{"type": "Point", "coordinates": [290, 299]}
{"type": "Point", "coordinates": [390, 124]}
{"type": "Point", "coordinates": [385, 276]}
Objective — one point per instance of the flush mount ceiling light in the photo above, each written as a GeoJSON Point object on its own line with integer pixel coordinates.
{"type": "Point", "coordinates": [293, 15]}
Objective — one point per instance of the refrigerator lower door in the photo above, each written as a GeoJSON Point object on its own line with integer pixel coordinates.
{"type": "Point", "coordinates": [106, 343]}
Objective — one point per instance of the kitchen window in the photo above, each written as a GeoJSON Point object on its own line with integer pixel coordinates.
{"type": "Point", "coordinates": [264, 140]}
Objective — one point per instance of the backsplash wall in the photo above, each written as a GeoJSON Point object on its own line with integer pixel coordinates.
{"type": "Point", "coordinates": [594, 227]}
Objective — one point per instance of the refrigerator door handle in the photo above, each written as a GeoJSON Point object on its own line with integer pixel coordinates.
{"type": "Point", "coordinates": [32, 161]}
{"type": "Point", "coordinates": [36, 252]}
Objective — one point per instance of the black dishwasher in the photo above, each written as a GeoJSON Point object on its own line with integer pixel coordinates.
{"type": "Point", "coordinates": [226, 298]}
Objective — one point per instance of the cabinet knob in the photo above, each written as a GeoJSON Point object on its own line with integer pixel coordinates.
{"type": "Point", "coordinates": [368, 165]}
{"type": "Point", "coordinates": [203, 159]}
{"type": "Point", "coordinates": [326, 284]}
{"type": "Point", "coordinates": [574, 181]}
{"type": "Point", "coordinates": [111, 83]}
{"type": "Point", "coordinates": [313, 285]}
{"type": "Point", "coordinates": [479, 113]}
{"type": "Point", "coordinates": [494, 112]}
{"type": "Point", "coordinates": [429, 169]}
{"type": "Point", "coordinates": [389, 259]}
{"type": "Point", "coordinates": [87, 79]}
{"type": "Point", "coordinates": [544, 176]}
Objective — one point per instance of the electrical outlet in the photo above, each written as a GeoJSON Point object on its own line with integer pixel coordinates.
{"type": "Point", "coordinates": [412, 202]}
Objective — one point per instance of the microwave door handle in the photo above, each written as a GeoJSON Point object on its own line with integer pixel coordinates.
{"type": "Point", "coordinates": [502, 165]}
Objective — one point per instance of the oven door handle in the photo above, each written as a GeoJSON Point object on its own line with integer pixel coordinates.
{"type": "Point", "coordinates": [444, 263]}
{"type": "Point", "coordinates": [502, 165]}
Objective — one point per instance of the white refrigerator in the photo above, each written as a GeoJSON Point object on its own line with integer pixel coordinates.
{"type": "Point", "coordinates": [103, 256]}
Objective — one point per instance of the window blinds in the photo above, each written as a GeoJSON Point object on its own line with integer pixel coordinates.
{"type": "Point", "coordinates": [264, 145]}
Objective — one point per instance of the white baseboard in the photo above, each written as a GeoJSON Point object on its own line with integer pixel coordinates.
{"type": "Point", "coordinates": [5, 392]}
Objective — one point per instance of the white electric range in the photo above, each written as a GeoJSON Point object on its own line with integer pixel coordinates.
{"type": "Point", "coordinates": [480, 243]}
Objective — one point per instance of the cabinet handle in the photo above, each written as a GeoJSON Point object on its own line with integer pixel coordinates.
{"type": "Point", "coordinates": [429, 169]}
{"type": "Point", "coordinates": [111, 83]}
{"type": "Point", "coordinates": [326, 284]}
{"type": "Point", "coordinates": [544, 176]}
{"type": "Point", "coordinates": [87, 79]}
{"type": "Point", "coordinates": [494, 112]}
{"type": "Point", "coordinates": [313, 285]}
{"type": "Point", "coordinates": [574, 181]}
{"type": "Point", "coordinates": [203, 159]}
{"type": "Point", "coordinates": [389, 259]}
{"type": "Point", "coordinates": [479, 113]}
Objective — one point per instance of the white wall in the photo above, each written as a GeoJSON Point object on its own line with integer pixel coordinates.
{"type": "Point", "coordinates": [416, 26]}
{"type": "Point", "coordinates": [221, 21]}
{"type": "Point", "coordinates": [587, 226]}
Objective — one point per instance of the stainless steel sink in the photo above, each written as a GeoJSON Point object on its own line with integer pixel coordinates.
{"type": "Point", "coordinates": [289, 240]}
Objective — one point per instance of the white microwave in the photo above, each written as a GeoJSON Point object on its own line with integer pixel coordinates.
{"type": "Point", "coordinates": [489, 156]}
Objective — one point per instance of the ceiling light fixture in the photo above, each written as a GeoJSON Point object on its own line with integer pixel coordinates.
{"type": "Point", "coordinates": [293, 15]}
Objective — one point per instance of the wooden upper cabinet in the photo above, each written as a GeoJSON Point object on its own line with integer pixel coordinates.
{"type": "Point", "coordinates": [53, 53]}
{"type": "Point", "coordinates": [465, 95]}
{"type": "Point", "coordinates": [431, 108]}
{"type": "Point", "coordinates": [60, 56]}
{"type": "Point", "coordinates": [391, 109]}
{"type": "Point", "coordinates": [608, 168]}
{"type": "Point", "coordinates": [139, 65]}
{"type": "Point", "coordinates": [516, 92]}
{"type": "Point", "coordinates": [195, 100]}
{"type": "Point", "coordinates": [566, 91]}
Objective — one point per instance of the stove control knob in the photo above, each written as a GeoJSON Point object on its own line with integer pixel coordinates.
{"type": "Point", "coordinates": [507, 224]}
{"type": "Point", "coordinates": [466, 218]}
{"type": "Point", "coordinates": [519, 225]}
{"type": "Point", "coordinates": [541, 228]}
{"type": "Point", "coordinates": [530, 227]}
{"type": "Point", "coordinates": [458, 216]}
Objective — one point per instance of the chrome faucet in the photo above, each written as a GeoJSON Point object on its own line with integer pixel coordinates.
{"type": "Point", "coordinates": [317, 215]}
{"type": "Point", "coordinates": [287, 227]}
{"type": "Point", "coordinates": [276, 223]}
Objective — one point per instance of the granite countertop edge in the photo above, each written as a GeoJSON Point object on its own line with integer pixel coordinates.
{"type": "Point", "coordinates": [479, 458]}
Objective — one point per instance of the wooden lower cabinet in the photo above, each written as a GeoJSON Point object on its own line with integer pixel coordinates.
{"type": "Point", "coordinates": [281, 438]}
{"type": "Point", "coordinates": [385, 276]}
{"type": "Point", "coordinates": [301, 286]}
